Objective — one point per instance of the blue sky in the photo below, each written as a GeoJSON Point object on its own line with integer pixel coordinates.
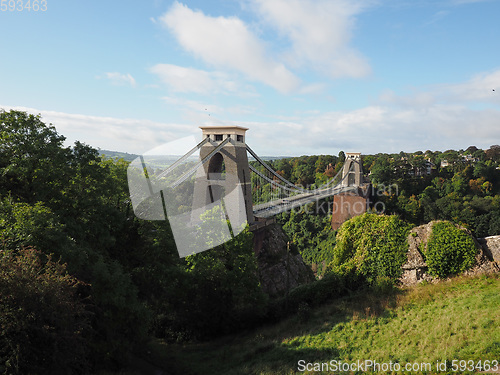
{"type": "Point", "coordinates": [305, 76]}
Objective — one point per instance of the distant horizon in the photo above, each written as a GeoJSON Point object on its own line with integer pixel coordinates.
{"type": "Point", "coordinates": [103, 151]}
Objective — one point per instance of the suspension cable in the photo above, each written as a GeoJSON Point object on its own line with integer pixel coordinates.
{"type": "Point", "coordinates": [188, 174]}
{"type": "Point", "coordinates": [264, 164]}
{"type": "Point", "coordinates": [187, 155]}
{"type": "Point", "coordinates": [295, 189]}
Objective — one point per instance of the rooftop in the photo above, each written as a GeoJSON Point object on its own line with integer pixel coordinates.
{"type": "Point", "coordinates": [230, 129]}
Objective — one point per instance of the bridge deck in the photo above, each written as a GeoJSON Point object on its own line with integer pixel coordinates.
{"type": "Point", "coordinates": [278, 206]}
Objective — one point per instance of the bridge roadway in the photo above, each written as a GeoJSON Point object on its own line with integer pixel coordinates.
{"type": "Point", "coordinates": [278, 206]}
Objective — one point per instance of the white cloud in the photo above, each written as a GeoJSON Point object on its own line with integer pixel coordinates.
{"type": "Point", "coordinates": [319, 32]}
{"type": "Point", "coordinates": [376, 129]}
{"type": "Point", "coordinates": [193, 105]}
{"type": "Point", "coordinates": [205, 110]}
{"type": "Point", "coordinates": [313, 88]}
{"type": "Point", "coordinates": [181, 79]}
{"type": "Point", "coordinates": [439, 117]}
{"type": "Point", "coordinates": [128, 135]}
{"type": "Point", "coordinates": [120, 79]}
{"type": "Point", "coordinates": [227, 42]}
{"type": "Point", "coordinates": [478, 88]}
{"type": "Point", "coordinates": [482, 88]}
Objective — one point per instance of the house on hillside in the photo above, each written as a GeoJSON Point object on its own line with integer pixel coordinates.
{"type": "Point", "coordinates": [425, 170]}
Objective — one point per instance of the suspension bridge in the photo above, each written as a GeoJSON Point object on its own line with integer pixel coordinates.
{"type": "Point", "coordinates": [224, 164]}
{"type": "Point", "coordinates": [216, 172]}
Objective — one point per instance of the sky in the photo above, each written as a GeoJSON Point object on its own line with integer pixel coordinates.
{"type": "Point", "coordinates": [307, 77]}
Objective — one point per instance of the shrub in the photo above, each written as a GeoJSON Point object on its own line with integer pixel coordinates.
{"type": "Point", "coordinates": [303, 312]}
{"type": "Point", "coordinates": [328, 288]}
{"type": "Point", "coordinates": [450, 250]}
{"type": "Point", "coordinates": [371, 246]}
{"type": "Point", "coordinates": [42, 320]}
{"type": "Point", "coordinates": [382, 286]}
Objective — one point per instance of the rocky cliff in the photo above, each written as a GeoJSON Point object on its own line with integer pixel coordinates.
{"type": "Point", "coordinates": [278, 269]}
{"type": "Point", "coordinates": [491, 247]}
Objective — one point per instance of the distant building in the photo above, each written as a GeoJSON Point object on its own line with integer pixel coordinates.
{"type": "Point", "coordinates": [416, 171]}
{"type": "Point", "coordinates": [426, 170]}
{"type": "Point", "coordinates": [464, 159]}
{"type": "Point", "coordinates": [470, 158]}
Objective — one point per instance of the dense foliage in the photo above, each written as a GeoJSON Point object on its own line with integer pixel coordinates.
{"type": "Point", "coordinates": [459, 186]}
{"type": "Point", "coordinates": [220, 290]}
{"type": "Point", "coordinates": [308, 232]}
{"type": "Point", "coordinates": [373, 246]}
{"type": "Point", "coordinates": [43, 322]}
{"type": "Point", "coordinates": [450, 250]}
{"type": "Point", "coordinates": [72, 204]}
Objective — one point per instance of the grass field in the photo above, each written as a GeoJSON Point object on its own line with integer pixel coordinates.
{"type": "Point", "coordinates": [422, 326]}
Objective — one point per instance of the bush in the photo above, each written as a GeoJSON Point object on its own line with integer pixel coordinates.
{"type": "Point", "coordinates": [382, 286]}
{"type": "Point", "coordinates": [450, 250]}
{"type": "Point", "coordinates": [371, 246]}
{"type": "Point", "coordinates": [330, 287]}
{"type": "Point", "coordinates": [42, 319]}
{"type": "Point", "coordinates": [303, 312]}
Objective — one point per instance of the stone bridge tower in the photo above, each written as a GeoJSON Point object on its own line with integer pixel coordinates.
{"type": "Point", "coordinates": [352, 172]}
{"type": "Point", "coordinates": [226, 176]}
{"type": "Point", "coordinates": [353, 203]}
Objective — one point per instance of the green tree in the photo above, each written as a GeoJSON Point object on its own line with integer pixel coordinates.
{"type": "Point", "coordinates": [222, 291]}
{"type": "Point", "coordinates": [23, 225]}
{"type": "Point", "coordinates": [341, 157]}
{"type": "Point", "coordinates": [72, 203]}
{"type": "Point", "coordinates": [33, 163]}
{"type": "Point", "coordinates": [383, 171]}
{"type": "Point", "coordinates": [44, 323]}
{"type": "Point", "coordinates": [306, 231]}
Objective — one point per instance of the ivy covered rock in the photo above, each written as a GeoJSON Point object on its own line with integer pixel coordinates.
{"type": "Point", "coordinates": [372, 246]}
{"type": "Point", "coordinates": [441, 249]}
{"type": "Point", "coordinates": [450, 250]}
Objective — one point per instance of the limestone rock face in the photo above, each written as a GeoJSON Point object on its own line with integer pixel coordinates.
{"type": "Point", "coordinates": [491, 246]}
{"type": "Point", "coordinates": [278, 270]}
{"type": "Point", "coordinates": [415, 269]}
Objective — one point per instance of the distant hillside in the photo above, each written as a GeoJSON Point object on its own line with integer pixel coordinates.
{"type": "Point", "coordinates": [118, 155]}
{"type": "Point", "coordinates": [169, 159]}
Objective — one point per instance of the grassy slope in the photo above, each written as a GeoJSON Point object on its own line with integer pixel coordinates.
{"type": "Point", "coordinates": [458, 319]}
